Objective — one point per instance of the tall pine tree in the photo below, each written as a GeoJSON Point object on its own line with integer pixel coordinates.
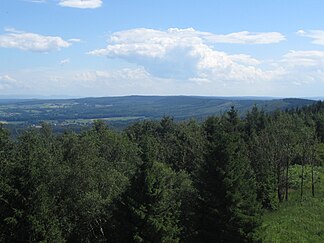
{"type": "Point", "coordinates": [228, 210]}
{"type": "Point", "coordinates": [150, 210]}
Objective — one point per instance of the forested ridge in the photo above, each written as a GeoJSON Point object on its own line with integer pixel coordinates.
{"type": "Point", "coordinates": [121, 111]}
{"type": "Point", "coordinates": [162, 180]}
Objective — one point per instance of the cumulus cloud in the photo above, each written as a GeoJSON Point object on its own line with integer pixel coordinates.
{"type": "Point", "coordinates": [184, 54]}
{"type": "Point", "coordinates": [31, 41]}
{"type": "Point", "coordinates": [177, 61]}
{"type": "Point", "coordinates": [81, 3]}
{"type": "Point", "coordinates": [316, 35]}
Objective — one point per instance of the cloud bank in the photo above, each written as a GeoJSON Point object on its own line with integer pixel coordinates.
{"type": "Point", "coordinates": [176, 61]}
{"type": "Point", "coordinates": [188, 54]}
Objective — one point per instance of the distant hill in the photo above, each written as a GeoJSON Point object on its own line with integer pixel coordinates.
{"type": "Point", "coordinates": [130, 108]}
{"type": "Point", "coordinates": [12, 101]}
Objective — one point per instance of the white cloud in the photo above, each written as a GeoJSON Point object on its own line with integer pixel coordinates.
{"type": "Point", "coordinates": [183, 54]}
{"type": "Point", "coordinates": [190, 63]}
{"type": "Point", "coordinates": [50, 81]}
{"type": "Point", "coordinates": [301, 32]}
{"type": "Point", "coordinates": [81, 3]}
{"type": "Point", "coordinates": [304, 58]}
{"type": "Point", "coordinates": [36, 1]}
{"type": "Point", "coordinates": [282, 79]}
{"type": "Point", "coordinates": [65, 61]}
{"type": "Point", "coordinates": [74, 40]}
{"type": "Point", "coordinates": [90, 75]}
{"type": "Point", "coordinates": [31, 41]}
{"type": "Point", "coordinates": [121, 74]}
{"type": "Point", "coordinates": [245, 59]}
{"type": "Point", "coordinates": [304, 67]}
{"type": "Point", "coordinates": [8, 78]}
{"type": "Point", "coordinates": [7, 82]}
{"type": "Point", "coordinates": [13, 30]}
{"type": "Point", "coordinates": [245, 37]}
{"type": "Point", "coordinates": [175, 61]}
{"type": "Point", "coordinates": [316, 35]}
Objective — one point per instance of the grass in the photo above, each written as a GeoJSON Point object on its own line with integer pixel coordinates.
{"type": "Point", "coordinates": [298, 220]}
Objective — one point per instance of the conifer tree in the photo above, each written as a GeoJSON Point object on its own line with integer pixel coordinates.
{"type": "Point", "coordinates": [228, 209]}
{"type": "Point", "coordinates": [150, 210]}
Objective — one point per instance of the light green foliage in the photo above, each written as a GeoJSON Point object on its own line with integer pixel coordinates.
{"type": "Point", "coordinates": [320, 153]}
{"type": "Point", "coordinates": [96, 167]}
{"type": "Point", "coordinates": [297, 220]}
{"type": "Point", "coordinates": [60, 189]}
{"type": "Point", "coordinates": [295, 174]}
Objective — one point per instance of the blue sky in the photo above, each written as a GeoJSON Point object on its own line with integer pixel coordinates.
{"type": "Point", "coordinates": [185, 47]}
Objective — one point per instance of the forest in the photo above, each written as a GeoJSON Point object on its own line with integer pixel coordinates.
{"type": "Point", "coordinates": [228, 178]}
{"type": "Point", "coordinates": [120, 112]}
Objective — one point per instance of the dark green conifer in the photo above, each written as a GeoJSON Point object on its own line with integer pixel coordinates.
{"type": "Point", "coordinates": [228, 210]}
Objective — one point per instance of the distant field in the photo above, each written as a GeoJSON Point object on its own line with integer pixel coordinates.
{"type": "Point", "coordinates": [89, 121]}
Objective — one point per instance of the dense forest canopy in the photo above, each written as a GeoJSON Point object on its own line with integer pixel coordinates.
{"type": "Point", "coordinates": [159, 180]}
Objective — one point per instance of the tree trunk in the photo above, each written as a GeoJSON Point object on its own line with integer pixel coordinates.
{"type": "Point", "coordinates": [313, 165]}
{"type": "Point", "coordinates": [302, 177]}
{"type": "Point", "coordinates": [313, 183]}
{"type": "Point", "coordinates": [279, 183]}
{"type": "Point", "coordinates": [287, 175]}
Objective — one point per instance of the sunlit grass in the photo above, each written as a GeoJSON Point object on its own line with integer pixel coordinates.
{"type": "Point", "coordinates": [298, 220]}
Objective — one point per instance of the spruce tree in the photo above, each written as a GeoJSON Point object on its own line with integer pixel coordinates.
{"type": "Point", "coordinates": [150, 209]}
{"type": "Point", "coordinates": [228, 210]}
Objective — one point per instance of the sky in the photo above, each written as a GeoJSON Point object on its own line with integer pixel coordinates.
{"type": "Point", "coordinates": [82, 48]}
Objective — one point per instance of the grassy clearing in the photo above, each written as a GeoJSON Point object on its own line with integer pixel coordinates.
{"type": "Point", "coordinates": [298, 220]}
